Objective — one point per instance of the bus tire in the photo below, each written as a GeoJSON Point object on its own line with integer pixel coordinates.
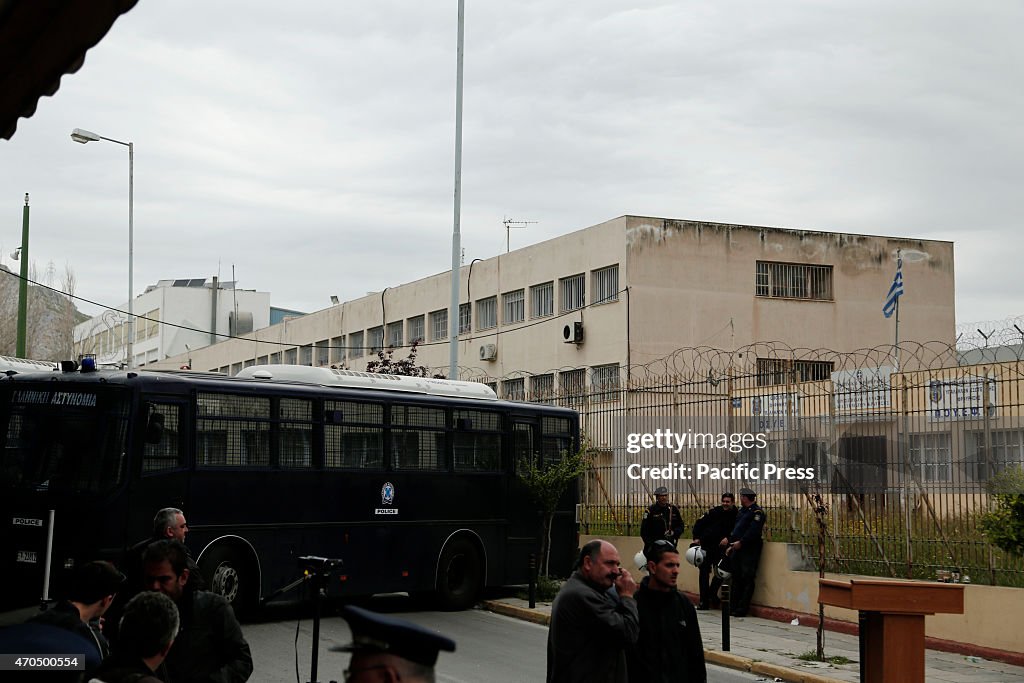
{"type": "Point", "coordinates": [229, 574]}
{"type": "Point", "coordinates": [459, 575]}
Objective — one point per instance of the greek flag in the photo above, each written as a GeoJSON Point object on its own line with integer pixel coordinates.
{"type": "Point", "coordinates": [895, 291]}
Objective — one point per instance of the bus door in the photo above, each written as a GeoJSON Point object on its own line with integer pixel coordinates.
{"type": "Point", "coordinates": [523, 519]}
{"type": "Point", "coordinates": [160, 473]}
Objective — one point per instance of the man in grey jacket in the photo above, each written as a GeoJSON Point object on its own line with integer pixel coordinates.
{"type": "Point", "coordinates": [593, 620]}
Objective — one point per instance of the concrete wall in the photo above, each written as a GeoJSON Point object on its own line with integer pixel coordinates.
{"type": "Point", "coordinates": [988, 619]}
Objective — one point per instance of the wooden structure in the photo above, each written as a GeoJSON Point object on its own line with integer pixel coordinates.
{"type": "Point", "coordinates": [892, 622]}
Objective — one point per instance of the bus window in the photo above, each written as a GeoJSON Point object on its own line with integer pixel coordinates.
{"type": "Point", "coordinates": [417, 438]}
{"type": "Point", "coordinates": [557, 439]}
{"type": "Point", "coordinates": [295, 433]}
{"type": "Point", "coordinates": [167, 453]}
{"type": "Point", "coordinates": [232, 431]}
{"type": "Point", "coordinates": [354, 435]}
{"type": "Point", "coordinates": [477, 441]}
{"type": "Point", "coordinates": [522, 446]}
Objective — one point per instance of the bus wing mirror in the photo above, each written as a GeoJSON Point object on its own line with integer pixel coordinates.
{"type": "Point", "coordinates": [155, 428]}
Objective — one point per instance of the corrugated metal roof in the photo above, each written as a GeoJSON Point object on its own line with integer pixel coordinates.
{"type": "Point", "coordinates": [40, 41]}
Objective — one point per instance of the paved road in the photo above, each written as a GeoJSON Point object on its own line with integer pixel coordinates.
{"type": "Point", "coordinates": [491, 648]}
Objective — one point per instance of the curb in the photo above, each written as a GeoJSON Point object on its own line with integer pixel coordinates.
{"type": "Point", "coordinates": [713, 656]}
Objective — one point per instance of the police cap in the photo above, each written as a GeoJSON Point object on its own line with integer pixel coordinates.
{"type": "Point", "coordinates": [747, 492]}
{"type": "Point", "coordinates": [661, 491]}
{"type": "Point", "coordinates": [373, 632]}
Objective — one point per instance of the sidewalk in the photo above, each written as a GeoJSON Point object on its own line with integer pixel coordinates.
{"type": "Point", "coordinates": [770, 649]}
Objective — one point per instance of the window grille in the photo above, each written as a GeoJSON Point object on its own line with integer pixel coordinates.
{"type": "Point", "coordinates": [514, 305]}
{"type": "Point", "coordinates": [542, 300]}
{"type": "Point", "coordinates": [513, 389]}
{"type": "Point", "coordinates": [414, 326]}
{"type": "Point", "coordinates": [395, 338]}
{"type": "Point", "coordinates": [775, 371]}
{"type": "Point", "coordinates": [487, 313]}
{"type": "Point", "coordinates": [439, 325]}
{"type": "Point", "coordinates": [542, 388]}
{"type": "Point", "coordinates": [793, 281]}
{"type": "Point", "coordinates": [465, 318]}
{"type": "Point", "coordinates": [605, 285]}
{"type": "Point", "coordinates": [572, 291]}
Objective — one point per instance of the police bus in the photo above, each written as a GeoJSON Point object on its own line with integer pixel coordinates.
{"type": "Point", "coordinates": [410, 482]}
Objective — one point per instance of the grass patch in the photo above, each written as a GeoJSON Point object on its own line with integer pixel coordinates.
{"type": "Point", "coordinates": [812, 656]}
{"type": "Point", "coordinates": [547, 589]}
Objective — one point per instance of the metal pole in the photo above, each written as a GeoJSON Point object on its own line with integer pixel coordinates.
{"type": "Point", "coordinates": [453, 310]}
{"type": "Point", "coordinates": [48, 562]}
{"type": "Point", "coordinates": [131, 263]}
{"type": "Point", "coordinates": [23, 286]}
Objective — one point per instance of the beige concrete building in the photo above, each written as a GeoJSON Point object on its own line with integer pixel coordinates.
{"type": "Point", "coordinates": [581, 310]}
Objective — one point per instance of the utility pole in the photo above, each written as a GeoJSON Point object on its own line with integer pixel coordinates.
{"type": "Point", "coordinates": [23, 285]}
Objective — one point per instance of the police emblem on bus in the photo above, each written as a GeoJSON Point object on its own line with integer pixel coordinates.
{"type": "Point", "coordinates": [387, 493]}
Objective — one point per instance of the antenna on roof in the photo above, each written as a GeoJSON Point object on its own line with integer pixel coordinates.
{"type": "Point", "coordinates": [509, 224]}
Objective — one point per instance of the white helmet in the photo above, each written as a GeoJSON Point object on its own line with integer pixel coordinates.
{"type": "Point", "coordinates": [722, 569]}
{"type": "Point", "coordinates": [695, 555]}
{"type": "Point", "coordinates": [641, 560]}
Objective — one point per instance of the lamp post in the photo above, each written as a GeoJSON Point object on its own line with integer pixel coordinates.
{"type": "Point", "coordinates": [22, 253]}
{"type": "Point", "coordinates": [84, 136]}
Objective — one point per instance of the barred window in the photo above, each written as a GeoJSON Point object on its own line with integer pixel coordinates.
{"type": "Point", "coordinates": [295, 433]}
{"type": "Point", "coordinates": [542, 300]}
{"type": "Point", "coordinates": [353, 435]}
{"type": "Point", "coordinates": [465, 318]}
{"type": "Point", "coordinates": [439, 325]}
{"type": "Point", "coordinates": [572, 385]}
{"type": "Point", "coordinates": [306, 355]}
{"type": "Point", "coordinates": [556, 440]}
{"type": "Point", "coordinates": [477, 441]}
{"type": "Point", "coordinates": [417, 438]}
{"type": "Point", "coordinates": [355, 345]}
{"type": "Point", "coordinates": [232, 430]}
{"type": "Point", "coordinates": [572, 291]}
{"type": "Point", "coordinates": [395, 338]}
{"type": "Point", "coordinates": [487, 313]}
{"type": "Point", "coordinates": [1006, 449]}
{"type": "Point", "coordinates": [375, 339]}
{"type": "Point", "coordinates": [169, 453]}
{"type": "Point", "coordinates": [775, 371]}
{"type": "Point", "coordinates": [605, 285]}
{"type": "Point", "coordinates": [542, 388]}
{"type": "Point", "coordinates": [513, 389]}
{"type": "Point", "coordinates": [931, 456]}
{"type": "Point", "coordinates": [605, 382]}
{"type": "Point", "coordinates": [513, 304]}
{"type": "Point", "coordinates": [415, 328]}
{"type": "Point", "coordinates": [793, 281]}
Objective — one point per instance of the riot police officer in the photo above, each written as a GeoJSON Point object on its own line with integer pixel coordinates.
{"type": "Point", "coordinates": [710, 530]}
{"type": "Point", "coordinates": [744, 549]}
{"type": "Point", "coordinates": [662, 520]}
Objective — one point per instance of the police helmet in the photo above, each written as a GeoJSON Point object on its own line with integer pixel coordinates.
{"type": "Point", "coordinates": [723, 569]}
{"type": "Point", "coordinates": [641, 560]}
{"type": "Point", "coordinates": [695, 555]}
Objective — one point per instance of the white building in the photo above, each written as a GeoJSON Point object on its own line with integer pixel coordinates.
{"type": "Point", "coordinates": [173, 317]}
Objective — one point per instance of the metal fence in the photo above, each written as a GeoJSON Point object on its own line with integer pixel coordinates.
{"type": "Point", "coordinates": [900, 458]}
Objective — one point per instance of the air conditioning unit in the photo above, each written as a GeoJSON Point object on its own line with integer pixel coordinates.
{"type": "Point", "coordinates": [488, 351]}
{"type": "Point", "coordinates": [573, 334]}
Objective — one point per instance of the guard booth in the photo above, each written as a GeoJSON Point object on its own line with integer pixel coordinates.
{"type": "Point", "coordinates": [892, 622]}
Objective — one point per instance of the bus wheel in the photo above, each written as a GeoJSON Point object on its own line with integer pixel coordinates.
{"type": "Point", "coordinates": [228, 575]}
{"type": "Point", "coordinates": [460, 575]}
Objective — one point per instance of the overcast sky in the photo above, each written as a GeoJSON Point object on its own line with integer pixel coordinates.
{"type": "Point", "coordinates": [310, 145]}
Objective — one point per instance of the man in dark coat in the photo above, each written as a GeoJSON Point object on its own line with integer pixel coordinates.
{"type": "Point", "coordinates": [661, 520]}
{"type": "Point", "coordinates": [744, 549]}
{"type": "Point", "coordinates": [209, 646]}
{"type": "Point", "coordinates": [592, 625]}
{"type": "Point", "coordinates": [148, 628]}
{"type": "Point", "coordinates": [712, 532]}
{"type": "Point", "coordinates": [669, 649]}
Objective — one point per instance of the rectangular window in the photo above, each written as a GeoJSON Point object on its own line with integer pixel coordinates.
{"type": "Point", "coordinates": [355, 345]}
{"type": "Point", "coordinates": [232, 431]}
{"type": "Point", "coordinates": [375, 339]}
{"type": "Point", "coordinates": [439, 325]}
{"type": "Point", "coordinates": [169, 453]}
{"type": "Point", "coordinates": [572, 291]}
{"type": "Point", "coordinates": [291, 356]}
{"type": "Point", "coordinates": [152, 323]}
{"type": "Point", "coordinates": [275, 358]}
{"type": "Point", "coordinates": [414, 326]}
{"type": "Point", "coordinates": [263, 360]}
{"type": "Point", "coordinates": [513, 389]}
{"type": "Point", "coordinates": [1006, 449]}
{"type": "Point", "coordinates": [775, 371]}
{"type": "Point", "coordinates": [931, 456]}
{"type": "Point", "coordinates": [487, 313]}
{"type": "Point", "coordinates": [793, 281]}
{"type": "Point", "coordinates": [572, 385]}
{"type": "Point", "coordinates": [605, 382]}
{"type": "Point", "coordinates": [604, 285]}
{"type": "Point", "coordinates": [465, 318]}
{"type": "Point", "coordinates": [417, 438]}
{"type": "Point", "coordinates": [542, 388]}
{"type": "Point", "coordinates": [542, 300]}
{"type": "Point", "coordinates": [514, 306]}
{"type": "Point", "coordinates": [306, 355]}
{"type": "Point", "coordinates": [323, 353]}
{"type": "Point", "coordinates": [477, 441]}
{"type": "Point", "coordinates": [353, 435]}
{"type": "Point", "coordinates": [295, 433]}
{"type": "Point", "coordinates": [337, 349]}
{"type": "Point", "coordinates": [556, 440]}
{"type": "Point", "coordinates": [395, 338]}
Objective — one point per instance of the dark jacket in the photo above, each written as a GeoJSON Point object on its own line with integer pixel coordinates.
{"type": "Point", "coordinates": [749, 525]}
{"type": "Point", "coordinates": [117, 669]}
{"type": "Point", "coordinates": [590, 631]}
{"type": "Point", "coordinates": [670, 649]}
{"type": "Point", "coordinates": [661, 522]}
{"type": "Point", "coordinates": [714, 525]}
{"type": "Point", "coordinates": [66, 616]}
{"type": "Point", "coordinates": [209, 647]}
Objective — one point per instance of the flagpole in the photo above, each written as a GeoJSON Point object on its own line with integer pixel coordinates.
{"type": "Point", "coordinates": [899, 261]}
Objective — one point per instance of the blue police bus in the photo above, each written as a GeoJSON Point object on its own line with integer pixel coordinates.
{"type": "Point", "coordinates": [411, 482]}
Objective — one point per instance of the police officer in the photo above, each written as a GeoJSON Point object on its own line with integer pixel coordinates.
{"type": "Point", "coordinates": [386, 649]}
{"type": "Point", "coordinates": [711, 530]}
{"type": "Point", "coordinates": [662, 520]}
{"type": "Point", "coordinates": [744, 549]}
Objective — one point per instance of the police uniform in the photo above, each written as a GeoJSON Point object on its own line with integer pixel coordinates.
{"type": "Point", "coordinates": [382, 634]}
{"type": "Point", "coordinates": [661, 522]}
{"type": "Point", "coordinates": [710, 529]}
{"type": "Point", "coordinates": [749, 524]}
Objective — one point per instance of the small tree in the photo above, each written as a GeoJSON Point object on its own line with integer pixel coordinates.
{"type": "Point", "coordinates": [546, 483]}
{"type": "Point", "coordinates": [387, 365]}
{"type": "Point", "coordinates": [1004, 526]}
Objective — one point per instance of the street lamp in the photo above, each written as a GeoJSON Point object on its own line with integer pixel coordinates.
{"type": "Point", "coordinates": [84, 136]}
